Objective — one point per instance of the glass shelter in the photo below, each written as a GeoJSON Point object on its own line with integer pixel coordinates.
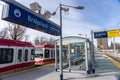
{"type": "Point", "coordinates": [76, 54]}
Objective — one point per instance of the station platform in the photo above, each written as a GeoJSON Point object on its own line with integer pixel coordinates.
{"type": "Point", "coordinates": [105, 70]}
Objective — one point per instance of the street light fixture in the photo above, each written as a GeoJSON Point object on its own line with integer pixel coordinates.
{"type": "Point", "coordinates": [35, 7]}
{"type": "Point", "coordinates": [67, 9]}
{"type": "Point", "coordinates": [84, 35]}
{"type": "Point", "coordinates": [79, 7]}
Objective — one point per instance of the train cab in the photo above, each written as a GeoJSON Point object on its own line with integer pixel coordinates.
{"type": "Point", "coordinates": [44, 54]}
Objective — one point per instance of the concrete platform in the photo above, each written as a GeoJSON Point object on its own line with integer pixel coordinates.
{"type": "Point", "coordinates": [105, 70]}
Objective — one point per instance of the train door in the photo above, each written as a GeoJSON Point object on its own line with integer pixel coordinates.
{"type": "Point", "coordinates": [25, 55]}
{"type": "Point", "coordinates": [47, 55]}
{"type": "Point", "coordinates": [19, 58]}
{"type": "Point", "coordinates": [52, 55]}
{"type": "Point", "coordinates": [32, 55]}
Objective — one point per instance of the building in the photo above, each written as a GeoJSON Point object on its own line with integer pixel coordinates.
{"type": "Point", "coordinates": [102, 43]}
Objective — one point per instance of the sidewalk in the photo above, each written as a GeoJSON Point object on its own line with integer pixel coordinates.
{"type": "Point", "coordinates": [105, 70]}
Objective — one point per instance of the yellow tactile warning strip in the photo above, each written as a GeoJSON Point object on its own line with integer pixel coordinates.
{"type": "Point", "coordinates": [117, 63]}
{"type": "Point", "coordinates": [22, 71]}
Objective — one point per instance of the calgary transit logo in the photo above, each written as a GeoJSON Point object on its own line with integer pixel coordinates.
{"type": "Point", "coordinates": [17, 13]}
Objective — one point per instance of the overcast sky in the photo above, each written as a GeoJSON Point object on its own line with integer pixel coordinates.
{"type": "Point", "coordinates": [97, 15]}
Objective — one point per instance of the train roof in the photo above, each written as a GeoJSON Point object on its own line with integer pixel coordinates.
{"type": "Point", "coordinates": [7, 42]}
{"type": "Point", "coordinates": [45, 46]}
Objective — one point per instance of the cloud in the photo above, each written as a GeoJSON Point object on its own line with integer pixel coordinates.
{"type": "Point", "coordinates": [97, 15]}
{"type": "Point", "coordinates": [76, 28]}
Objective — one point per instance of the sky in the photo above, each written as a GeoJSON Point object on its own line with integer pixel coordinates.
{"type": "Point", "coordinates": [96, 15]}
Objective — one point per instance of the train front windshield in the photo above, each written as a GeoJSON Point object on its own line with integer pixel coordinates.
{"type": "Point", "coordinates": [38, 53]}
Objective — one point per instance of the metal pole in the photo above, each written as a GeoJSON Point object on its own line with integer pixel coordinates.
{"type": "Point", "coordinates": [69, 57]}
{"type": "Point", "coordinates": [55, 57]}
{"type": "Point", "coordinates": [114, 47]}
{"type": "Point", "coordinates": [60, 46]}
{"type": "Point", "coordinates": [86, 57]}
{"type": "Point", "coordinates": [93, 57]}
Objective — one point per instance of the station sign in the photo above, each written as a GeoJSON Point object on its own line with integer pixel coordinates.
{"type": "Point", "coordinates": [26, 17]}
{"type": "Point", "coordinates": [102, 34]}
{"type": "Point", "coordinates": [113, 33]}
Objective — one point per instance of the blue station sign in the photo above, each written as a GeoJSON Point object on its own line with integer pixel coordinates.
{"type": "Point", "coordinates": [102, 34]}
{"type": "Point", "coordinates": [26, 17]}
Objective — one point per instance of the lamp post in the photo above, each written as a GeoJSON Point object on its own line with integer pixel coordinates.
{"type": "Point", "coordinates": [36, 7]}
{"type": "Point", "coordinates": [92, 52]}
{"type": "Point", "coordinates": [60, 43]}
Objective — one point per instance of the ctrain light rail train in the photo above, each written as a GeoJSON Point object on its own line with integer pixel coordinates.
{"type": "Point", "coordinates": [18, 55]}
{"type": "Point", "coordinates": [44, 54]}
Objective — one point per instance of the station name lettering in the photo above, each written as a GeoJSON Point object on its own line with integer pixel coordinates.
{"type": "Point", "coordinates": [100, 34]}
{"type": "Point", "coordinates": [37, 22]}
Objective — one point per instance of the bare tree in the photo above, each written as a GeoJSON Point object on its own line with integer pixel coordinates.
{"type": "Point", "coordinates": [43, 40]}
{"type": "Point", "coordinates": [40, 40]}
{"type": "Point", "coordinates": [51, 40]}
{"type": "Point", "coordinates": [26, 37]}
{"type": "Point", "coordinates": [36, 41]}
{"type": "Point", "coordinates": [4, 34]}
{"type": "Point", "coordinates": [16, 32]}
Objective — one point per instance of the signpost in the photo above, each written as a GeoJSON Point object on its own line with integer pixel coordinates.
{"type": "Point", "coordinates": [21, 15]}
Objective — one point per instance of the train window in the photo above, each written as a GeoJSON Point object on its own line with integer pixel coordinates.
{"type": "Point", "coordinates": [6, 55]}
{"type": "Point", "coordinates": [32, 54]}
{"type": "Point", "coordinates": [47, 53]}
{"type": "Point", "coordinates": [19, 55]}
{"type": "Point", "coordinates": [38, 53]}
{"type": "Point", "coordinates": [52, 53]}
{"type": "Point", "coordinates": [26, 55]}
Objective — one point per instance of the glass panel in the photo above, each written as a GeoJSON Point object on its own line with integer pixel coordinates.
{"type": "Point", "coordinates": [10, 55]}
{"type": "Point", "coordinates": [39, 56]}
{"type": "Point", "coordinates": [47, 53]}
{"type": "Point", "coordinates": [65, 56]}
{"type": "Point", "coordinates": [19, 55]}
{"type": "Point", "coordinates": [32, 54]}
{"type": "Point", "coordinates": [0, 56]}
{"type": "Point", "coordinates": [38, 53]}
{"type": "Point", "coordinates": [77, 56]}
{"type": "Point", "coordinates": [26, 55]}
{"type": "Point", "coordinates": [6, 55]}
{"type": "Point", "coordinates": [52, 53]}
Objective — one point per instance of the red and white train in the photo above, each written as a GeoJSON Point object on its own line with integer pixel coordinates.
{"type": "Point", "coordinates": [44, 54]}
{"type": "Point", "coordinates": [17, 55]}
